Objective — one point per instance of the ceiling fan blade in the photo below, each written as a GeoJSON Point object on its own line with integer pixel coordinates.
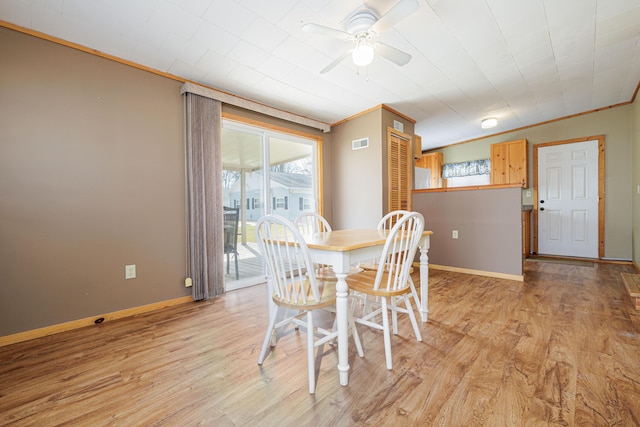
{"type": "Point", "coordinates": [331, 32]}
{"type": "Point", "coordinates": [396, 14]}
{"type": "Point", "coordinates": [392, 54]}
{"type": "Point", "coordinates": [336, 61]}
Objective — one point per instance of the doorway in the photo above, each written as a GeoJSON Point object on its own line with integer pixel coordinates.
{"type": "Point", "coordinates": [264, 170]}
{"type": "Point", "coordinates": [569, 198]}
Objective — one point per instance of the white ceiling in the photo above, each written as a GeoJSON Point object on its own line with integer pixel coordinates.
{"type": "Point", "coordinates": [522, 61]}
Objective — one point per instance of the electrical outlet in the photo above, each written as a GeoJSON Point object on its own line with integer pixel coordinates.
{"type": "Point", "coordinates": [130, 271]}
{"type": "Point", "coordinates": [454, 234]}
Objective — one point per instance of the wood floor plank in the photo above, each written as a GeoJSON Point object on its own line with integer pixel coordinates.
{"type": "Point", "coordinates": [560, 348]}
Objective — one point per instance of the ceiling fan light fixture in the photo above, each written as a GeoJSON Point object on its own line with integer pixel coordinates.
{"type": "Point", "coordinates": [489, 123]}
{"type": "Point", "coordinates": [363, 53]}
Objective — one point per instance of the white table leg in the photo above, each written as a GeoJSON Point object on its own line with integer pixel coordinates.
{"type": "Point", "coordinates": [342, 320]}
{"type": "Point", "coordinates": [424, 281]}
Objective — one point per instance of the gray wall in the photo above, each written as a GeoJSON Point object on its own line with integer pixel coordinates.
{"type": "Point", "coordinates": [92, 173]}
{"type": "Point", "coordinates": [617, 125]}
{"type": "Point", "coordinates": [357, 174]}
{"type": "Point", "coordinates": [359, 177]}
{"type": "Point", "coordinates": [489, 224]}
{"type": "Point", "coordinates": [91, 179]}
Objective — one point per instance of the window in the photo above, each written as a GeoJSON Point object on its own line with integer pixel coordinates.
{"type": "Point", "coordinates": [463, 174]}
{"type": "Point", "coordinates": [465, 181]}
{"type": "Point", "coordinates": [304, 204]}
{"type": "Point", "coordinates": [262, 167]}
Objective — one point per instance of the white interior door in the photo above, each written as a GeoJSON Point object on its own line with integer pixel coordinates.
{"type": "Point", "coordinates": [568, 199]}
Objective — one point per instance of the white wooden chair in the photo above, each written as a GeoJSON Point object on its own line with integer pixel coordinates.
{"type": "Point", "coordinates": [292, 289]}
{"type": "Point", "coordinates": [386, 223]}
{"type": "Point", "coordinates": [390, 282]}
{"type": "Point", "coordinates": [310, 223]}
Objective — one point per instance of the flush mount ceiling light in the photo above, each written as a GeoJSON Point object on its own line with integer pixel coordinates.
{"type": "Point", "coordinates": [489, 123]}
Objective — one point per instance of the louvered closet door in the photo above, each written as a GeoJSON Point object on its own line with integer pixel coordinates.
{"type": "Point", "coordinates": [399, 171]}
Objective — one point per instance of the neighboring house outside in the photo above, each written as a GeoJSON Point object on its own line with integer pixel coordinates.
{"type": "Point", "coordinates": [291, 194]}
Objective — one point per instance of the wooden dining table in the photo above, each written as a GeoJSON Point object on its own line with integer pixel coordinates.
{"type": "Point", "coordinates": [343, 248]}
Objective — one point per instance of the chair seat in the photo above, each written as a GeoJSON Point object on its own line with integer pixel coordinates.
{"type": "Point", "coordinates": [326, 272]}
{"type": "Point", "coordinates": [363, 282]}
{"type": "Point", "coordinates": [368, 266]}
{"type": "Point", "coordinates": [374, 266]}
{"type": "Point", "coordinates": [326, 288]}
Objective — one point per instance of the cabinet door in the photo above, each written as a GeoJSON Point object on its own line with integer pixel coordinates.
{"type": "Point", "coordinates": [399, 172]}
{"type": "Point", "coordinates": [433, 162]}
{"type": "Point", "coordinates": [435, 165]}
{"type": "Point", "coordinates": [518, 162]}
{"type": "Point", "coordinates": [509, 163]}
{"type": "Point", "coordinates": [422, 162]}
{"type": "Point", "coordinates": [499, 164]}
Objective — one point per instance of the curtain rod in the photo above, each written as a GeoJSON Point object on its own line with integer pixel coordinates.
{"type": "Point", "coordinates": [252, 105]}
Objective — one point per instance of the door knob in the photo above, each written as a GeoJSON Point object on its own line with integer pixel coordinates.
{"type": "Point", "coordinates": [541, 209]}
{"type": "Point", "coordinates": [541, 201]}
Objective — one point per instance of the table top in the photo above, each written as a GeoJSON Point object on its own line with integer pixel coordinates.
{"type": "Point", "coordinates": [348, 240]}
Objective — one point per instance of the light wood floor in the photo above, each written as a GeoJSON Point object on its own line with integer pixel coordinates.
{"type": "Point", "coordinates": [562, 349]}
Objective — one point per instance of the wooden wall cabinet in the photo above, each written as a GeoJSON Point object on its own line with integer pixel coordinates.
{"type": "Point", "coordinates": [433, 162]}
{"type": "Point", "coordinates": [509, 163]}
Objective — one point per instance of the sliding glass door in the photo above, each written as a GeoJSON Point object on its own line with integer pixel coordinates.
{"type": "Point", "coordinates": [264, 171]}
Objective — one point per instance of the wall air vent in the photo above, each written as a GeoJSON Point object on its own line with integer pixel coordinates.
{"type": "Point", "coordinates": [357, 144]}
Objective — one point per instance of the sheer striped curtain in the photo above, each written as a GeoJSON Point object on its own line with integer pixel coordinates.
{"type": "Point", "coordinates": [204, 174]}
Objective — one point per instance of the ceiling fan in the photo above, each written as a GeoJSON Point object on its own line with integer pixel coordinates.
{"type": "Point", "coordinates": [363, 26]}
